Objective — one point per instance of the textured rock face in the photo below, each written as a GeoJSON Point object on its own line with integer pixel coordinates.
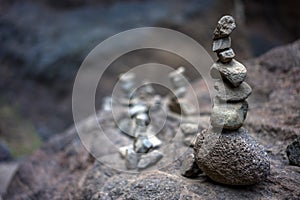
{"type": "Point", "coordinates": [236, 158]}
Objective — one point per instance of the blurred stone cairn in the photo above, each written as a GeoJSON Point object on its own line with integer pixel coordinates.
{"type": "Point", "coordinates": [135, 122]}
{"type": "Point", "coordinates": [226, 152]}
{"type": "Point", "coordinates": [138, 102]}
{"type": "Point", "coordinates": [179, 104]}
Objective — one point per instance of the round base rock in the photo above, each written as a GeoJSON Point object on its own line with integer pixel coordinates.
{"type": "Point", "coordinates": [231, 157]}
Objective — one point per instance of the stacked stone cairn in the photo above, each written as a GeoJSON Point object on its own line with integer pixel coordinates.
{"type": "Point", "coordinates": [143, 152]}
{"type": "Point", "coordinates": [178, 103]}
{"type": "Point", "coordinates": [226, 152]}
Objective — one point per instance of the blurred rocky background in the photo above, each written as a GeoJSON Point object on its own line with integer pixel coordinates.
{"type": "Point", "coordinates": [42, 44]}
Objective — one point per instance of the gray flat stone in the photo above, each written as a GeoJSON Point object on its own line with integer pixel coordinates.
{"type": "Point", "coordinates": [229, 115]}
{"type": "Point", "coordinates": [149, 159]}
{"type": "Point", "coordinates": [226, 55]}
{"type": "Point", "coordinates": [232, 94]}
{"type": "Point", "coordinates": [221, 44]}
{"type": "Point", "coordinates": [234, 71]}
{"type": "Point", "coordinates": [189, 167]}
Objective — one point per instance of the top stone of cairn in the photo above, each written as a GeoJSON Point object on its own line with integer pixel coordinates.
{"type": "Point", "coordinates": [224, 27]}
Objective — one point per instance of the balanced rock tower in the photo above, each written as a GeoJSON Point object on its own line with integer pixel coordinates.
{"type": "Point", "coordinates": [226, 152]}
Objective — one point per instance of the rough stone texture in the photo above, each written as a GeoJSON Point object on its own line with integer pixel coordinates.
{"type": "Point", "coordinates": [293, 152]}
{"type": "Point", "coordinates": [234, 159]}
{"type": "Point", "coordinates": [221, 44]}
{"type": "Point", "coordinates": [233, 71]}
{"type": "Point", "coordinates": [231, 94]}
{"type": "Point", "coordinates": [189, 167]}
{"type": "Point", "coordinates": [224, 27]}
{"type": "Point", "coordinates": [226, 55]}
{"type": "Point", "coordinates": [63, 169]}
{"type": "Point", "coordinates": [229, 116]}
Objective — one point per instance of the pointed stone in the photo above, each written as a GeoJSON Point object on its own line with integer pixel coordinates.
{"type": "Point", "coordinates": [233, 71]}
{"type": "Point", "coordinates": [232, 94]}
{"type": "Point", "coordinates": [229, 115]}
{"type": "Point", "coordinates": [221, 44]}
{"type": "Point", "coordinates": [226, 56]}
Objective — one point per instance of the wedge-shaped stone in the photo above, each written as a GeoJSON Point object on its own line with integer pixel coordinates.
{"type": "Point", "coordinates": [226, 55]}
{"type": "Point", "coordinates": [232, 94]}
{"type": "Point", "coordinates": [233, 71]}
{"type": "Point", "coordinates": [221, 44]}
{"type": "Point", "coordinates": [149, 159]}
{"type": "Point", "coordinates": [229, 115]}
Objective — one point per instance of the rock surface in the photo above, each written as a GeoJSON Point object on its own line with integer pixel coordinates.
{"type": "Point", "coordinates": [63, 169]}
